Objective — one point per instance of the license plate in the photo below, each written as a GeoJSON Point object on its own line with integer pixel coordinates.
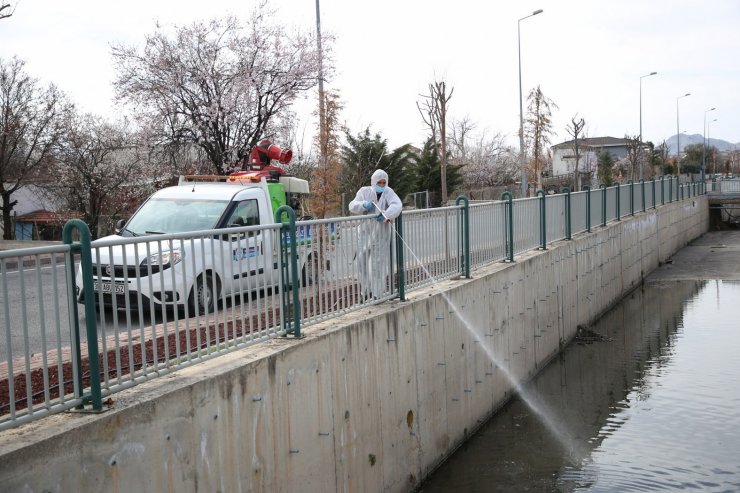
{"type": "Point", "coordinates": [107, 287]}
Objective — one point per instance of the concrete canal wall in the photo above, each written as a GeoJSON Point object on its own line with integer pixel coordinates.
{"type": "Point", "coordinates": [370, 401]}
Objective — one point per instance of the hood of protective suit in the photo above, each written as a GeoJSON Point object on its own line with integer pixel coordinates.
{"type": "Point", "coordinates": [379, 175]}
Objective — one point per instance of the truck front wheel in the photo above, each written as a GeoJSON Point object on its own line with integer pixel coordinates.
{"type": "Point", "coordinates": [204, 294]}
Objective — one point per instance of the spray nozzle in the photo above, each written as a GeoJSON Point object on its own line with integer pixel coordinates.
{"type": "Point", "coordinates": [381, 212]}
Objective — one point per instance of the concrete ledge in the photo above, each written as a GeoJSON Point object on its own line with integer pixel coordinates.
{"type": "Point", "coordinates": [371, 401]}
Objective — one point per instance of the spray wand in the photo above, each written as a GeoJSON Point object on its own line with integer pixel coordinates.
{"type": "Point", "coordinates": [381, 212]}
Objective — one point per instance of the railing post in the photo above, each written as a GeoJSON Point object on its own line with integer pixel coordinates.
{"type": "Point", "coordinates": [587, 189]}
{"type": "Point", "coordinates": [619, 205]}
{"type": "Point", "coordinates": [652, 180]}
{"type": "Point", "coordinates": [632, 197]}
{"type": "Point", "coordinates": [662, 190]}
{"type": "Point", "coordinates": [88, 290]}
{"type": "Point", "coordinates": [603, 204]}
{"type": "Point", "coordinates": [568, 230]}
{"type": "Point", "coordinates": [678, 188]}
{"type": "Point", "coordinates": [543, 219]}
{"type": "Point", "coordinates": [466, 233]}
{"type": "Point", "coordinates": [400, 268]}
{"type": "Point", "coordinates": [642, 186]}
{"type": "Point", "coordinates": [670, 190]}
{"type": "Point", "coordinates": [509, 224]}
{"type": "Point", "coordinates": [289, 326]}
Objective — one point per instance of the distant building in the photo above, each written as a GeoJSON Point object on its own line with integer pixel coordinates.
{"type": "Point", "coordinates": [564, 159]}
{"type": "Point", "coordinates": [37, 215]}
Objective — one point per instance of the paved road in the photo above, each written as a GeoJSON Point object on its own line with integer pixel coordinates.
{"type": "Point", "coordinates": [24, 308]}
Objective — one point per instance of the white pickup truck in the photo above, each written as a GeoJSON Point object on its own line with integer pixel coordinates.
{"type": "Point", "coordinates": [143, 263]}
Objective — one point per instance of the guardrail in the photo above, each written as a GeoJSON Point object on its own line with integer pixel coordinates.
{"type": "Point", "coordinates": [724, 186]}
{"type": "Point", "coordinates": [159, 302]}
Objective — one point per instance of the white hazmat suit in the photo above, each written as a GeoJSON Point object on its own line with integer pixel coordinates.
{"type": "Point", "coordinates": [373, 253]}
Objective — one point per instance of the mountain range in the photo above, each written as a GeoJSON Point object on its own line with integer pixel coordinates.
{"type": "Point", "coordinates": [721, 145]}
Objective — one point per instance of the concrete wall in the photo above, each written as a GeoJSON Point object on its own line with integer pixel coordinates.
{"type": "Point", "coordinates": [371, 401]}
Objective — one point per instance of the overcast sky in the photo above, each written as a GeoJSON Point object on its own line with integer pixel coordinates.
{"type": "Point", "coordinates": [587, 55]}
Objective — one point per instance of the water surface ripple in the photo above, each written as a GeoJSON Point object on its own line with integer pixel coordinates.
{"type": "Point", "coordinates": [656, 405]}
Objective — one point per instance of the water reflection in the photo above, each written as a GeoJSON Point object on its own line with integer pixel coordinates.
{"type": "Point", "coordinates": [655, 405]}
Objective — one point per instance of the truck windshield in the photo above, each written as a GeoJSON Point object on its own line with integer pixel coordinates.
{"type": "Point", "coordinates": [175, 216]}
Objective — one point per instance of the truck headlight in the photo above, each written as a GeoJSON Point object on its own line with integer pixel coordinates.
{"type": "Point", "coordinates": [163, 259]}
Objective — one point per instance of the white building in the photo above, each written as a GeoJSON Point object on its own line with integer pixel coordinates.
{"type": "Point", "coordinates": [564, 159]}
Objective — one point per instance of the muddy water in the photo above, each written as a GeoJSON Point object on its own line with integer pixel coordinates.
{"type": "Point", "coordinates": [651, 397]}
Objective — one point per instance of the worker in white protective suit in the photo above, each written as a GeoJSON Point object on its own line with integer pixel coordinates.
{"type": "Point", "coordinates": [373, 250]}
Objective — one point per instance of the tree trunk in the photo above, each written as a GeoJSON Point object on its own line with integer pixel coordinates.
{"type": "Point", "coordinates": [8, 233]}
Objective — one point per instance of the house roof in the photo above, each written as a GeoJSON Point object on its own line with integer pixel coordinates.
{"type": "Point", "coordinates": [594, 142]}
{"type": "Point", "coordinates": [44, 216]}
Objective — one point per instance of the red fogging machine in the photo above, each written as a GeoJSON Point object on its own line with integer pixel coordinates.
{"type": "Point", "coordinates": [264, 151]}
{"type": "Point", "coordinates": [258, 164]}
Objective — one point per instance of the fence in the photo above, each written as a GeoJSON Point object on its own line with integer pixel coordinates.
{"type": "Point", "coordinates": [156, 303]}
{"type": "Point", "coordinates": [724, 186]}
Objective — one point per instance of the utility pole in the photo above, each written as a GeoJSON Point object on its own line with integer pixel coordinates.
{"type": "Point", "coordinates": [323, 137]}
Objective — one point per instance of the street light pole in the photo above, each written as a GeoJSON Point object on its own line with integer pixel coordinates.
{"type": "Point", "coordinates": [678, 132]}
{"type": "Point", "coordinates": [323, 137]}
{"type": "Point", "coordinates": [704, 147]}
{"type": "Point", "coordinates": [714, 162]}
{"type": "Point", "coordinates": [522, 151]}
{"type": "Point", "coordinates": [640, 151]}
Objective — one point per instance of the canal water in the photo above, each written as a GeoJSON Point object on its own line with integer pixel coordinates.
{"type": "Point", "coordinates": [649, 398]}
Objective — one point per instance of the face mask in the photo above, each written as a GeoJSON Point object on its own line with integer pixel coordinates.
{"type": "Point", "coordinates": [379, 189]}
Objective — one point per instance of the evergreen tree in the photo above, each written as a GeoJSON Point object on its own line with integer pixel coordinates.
{"type": "Point", "coordinates": [364, 153]}
{"type": "Point", "coordinates": [693, 155]}
{"type": "Point", "coordinates": [605, 165]}
{"type": "Point", "coordinates": [429, 175]}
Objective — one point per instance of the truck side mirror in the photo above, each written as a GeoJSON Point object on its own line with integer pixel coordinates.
{"type": "Point", "coordinates": [119, 226]}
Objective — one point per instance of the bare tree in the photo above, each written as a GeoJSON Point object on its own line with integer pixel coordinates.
{"type": "Point", "coordinates": [6, 10]}
{"type": "Point", "coordinates": [538, 129]}
{"type": "Point", "coordinates": [433, 111]}
{"type": "Point", "coordinates": [575, 130]}
{"type": "Point", "coordinates": [660, 158]}
{"type": "Point", "coordinates": [32, 120]}
{"type": "Point", "coordinates": [304, 158]}
{"type": "Point", "coordinates": [461, 130]}
{"type": "Point", "coordinates": [489, 162]}
{"type": "Point", "coordinates": [101, 170]}
{"type": "Point", "coordinates": [325, 177]}
{"type": "Point", "coordinates": [219, 85]}
{"type": "Point", "coordinates": [634, 150]}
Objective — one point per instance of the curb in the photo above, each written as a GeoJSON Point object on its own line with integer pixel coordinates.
{"type": "Point", "coordinates": [30, 263]}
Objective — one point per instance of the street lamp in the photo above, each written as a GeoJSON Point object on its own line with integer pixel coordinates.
{"type": "Point", "coordinates": [522, 151]}
{"type": "Point", "coordinates": [714, 162]}
{"type": "Point", "coordinates": [642, 77]}
{"type": "Point", "coordinates": [678, 133]}
{"type": "Point", "coordinates": [704, 147]}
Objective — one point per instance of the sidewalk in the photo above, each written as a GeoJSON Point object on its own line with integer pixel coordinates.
{"type": "Point", "coordinates": [28, 261]}
{"type": "Point", "coordinates": [15, 244]}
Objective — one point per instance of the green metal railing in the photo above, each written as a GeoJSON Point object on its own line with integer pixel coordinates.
{"type": "Point", "coordinates": [95, 397]}
{"type": "Point", "coordinates": [543, 222]}
{"type": "Point", "coordinates": [465, 234]}
{"type": "Point", "coordinates": [509, 218]}
{"type": "Point", "coordinates": [587, 189]}
{"type": "Point", "coordinates": [289, 313]}
{"type": "Point", "coordinates": [568, 215]}
{"type": "Point", "coordinates": [463, 244]}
